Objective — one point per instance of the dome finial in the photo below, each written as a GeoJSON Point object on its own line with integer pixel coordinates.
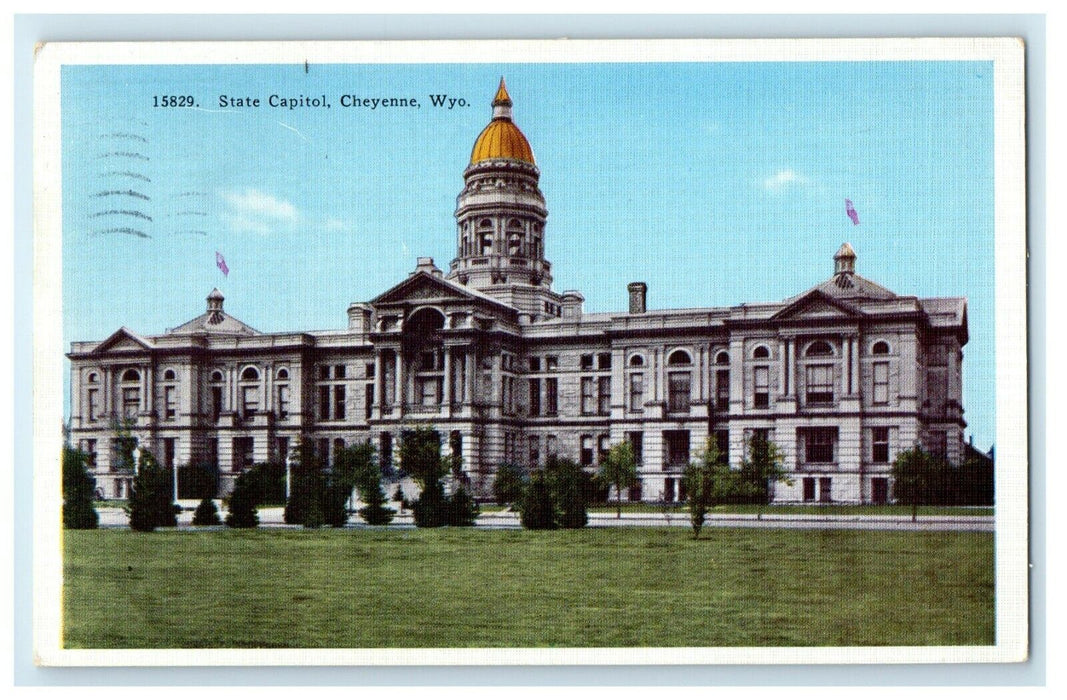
{"type": "Point", "coordinates": [502, 102]}
{"type": "Point", "coordinates": [845, 259]}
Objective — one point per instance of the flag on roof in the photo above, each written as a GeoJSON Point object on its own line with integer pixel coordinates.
{"type": "Point", "coordinates": [221, 262]}
{"type": "Point", "coordinates": [851, 211]}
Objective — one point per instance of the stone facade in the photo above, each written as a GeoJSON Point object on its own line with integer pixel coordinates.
{"type": "Point", "coordinates": [841, 377]}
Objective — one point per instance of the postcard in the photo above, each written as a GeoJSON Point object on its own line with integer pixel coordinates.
{"type": "Point", "coordinates": [530, 352]}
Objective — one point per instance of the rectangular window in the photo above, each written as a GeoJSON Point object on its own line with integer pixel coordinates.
{"type": "Point", "coordinates": [824, 490]}
{"type": "Point", "coordinates": [880, 445]}
{"type": "Point", "coordinates": [809, 488]}
{"type": "Point", "coordinates": [94, 403]}
{"type": "Point", "coordinates": [535, 364]}
{"type": "Point", "coordinates": [668, 490]}
{"type": "Point", "coordinates": [881, 382]}
{"type": "Point", "coordinates": [634, 494]}
{"type": "Point", "coordinates": [637, 444]}
{"type": "Point", "coordinates": [551, 394]}
{"type": "Point", "coordinates": [213, 452]}
{"type": "Point", "coordinates": [602, 447]}
{"type": "Point", "coordinates": [761, 379]}
{"type": "Point", "coordinates": [243, 453]}
{"type": "Point", "coordinates": [216, 402]}
{"type": "Point", "coordinates": [604, 396]}
{"type": "Point", "coordinates": [551, 446]}
{"type": "Point", "coordinates": [283, 401]}
{"type": "Point", "coordinates": [324, 403]}
{"type": "Point", "coordinates": [637, 391]}
{"type": "Point", "coordinates": [169, 451]}
{"type": "Point", "coordinates": [324, 451]}
{"type": "Point", "coordinates": [722, 442]}
{"type": "Point", "coordinates": [677, 448]}
{"type": "Point", "coordinates": [678, 392]}
{"type": "Point", "coordinates": [535, 451]}
{"type": "Point", "coordinates": [369, 374]}
{"type": "Point", "coordinates": [282, 449]}
{"type": "Point", "coordinates": [535, 397]}
{"type": "Point", "coordinates": [90, 453]}
{"type": "Point", "coordinates": [131, 402]}
{"type": "Point", "coordinates": [722, 390]}
{"type": "Point", "coordinates": [170, 403]}
{"type": "Point", "coordinates": [586, 456]}
{"type": "Point", "coordinates": [339, 402]}
{"type": "Point", "coordinates": [587, 396]}
{"type": "Point", "coordinates": [455, 444]}
{"type": "Point", "coordinates": [603, 361]}
{"type": "Point", "coordinates": [249, 400]}
{"type": "Point", "coordinates": [820, 384]}
{"type": "Point", "coordinates": [338, 371]}
{"type": "Point", "coordinates": [385, 451]}
{"type": "Point", "coordinates": [587, 362]}
{"type": "Point", "coordinates": [324, 372]}
{"type": "Point", "coordinates": [819, 445]}
{"type": "Point", "coordinates": [368, 400]}
{"type": "Point", "coordinates": [551, 363]}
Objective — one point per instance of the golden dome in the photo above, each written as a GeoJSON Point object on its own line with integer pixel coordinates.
{"type": "Point", "coordinates": [501, 138]}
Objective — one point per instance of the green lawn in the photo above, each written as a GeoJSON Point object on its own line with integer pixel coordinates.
{"type": "Point", "coordinates": [486, 588]}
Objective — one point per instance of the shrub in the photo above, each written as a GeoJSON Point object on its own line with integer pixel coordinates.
{"type": "Point", "coordinates": [206, 513]}
{"type": "Point", "coordinates": [431, 508]}
{"type": "Point", "coordinates": [462, 510]}
{"type": "Point", "coordinates": [335, 502]}
{"type": "Point", "coordinates": [150, 505]}
{"type": "Point", "coordinates": [306, 485]}
{"type": "Point", "coordinates": [537, 510]}
{"type": "Point", "coordinates": [508, 484]}
{"type": "Point", "coordinates": [78, 487]}
{"type": "Point", "coordinates": [568, 491]}
{"type": "Point", "coordinates": [244, 502]}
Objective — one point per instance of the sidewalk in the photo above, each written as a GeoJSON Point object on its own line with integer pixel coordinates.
{"type": "Point", "coordinates": [273, 517]}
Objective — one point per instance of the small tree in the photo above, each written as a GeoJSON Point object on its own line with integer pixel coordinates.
{"type": "Point", "coordinates": [243, 501]}
{"type": "Point", "coordinates": [420, 458]}
{"type": "Point", "coordinates": [708, 482]}
{"type": "Point", "coordinates": [306, 485]}
{"type": "Point", "coordinates": [568, 492]}
{"type": "Point", "coordinates": [537, 511]}
{"type": "Point", "coordinates": [761, 467]}
{"type": "Point", "coordinates": [619, 470]}
{"type": "Point", "coordinates": [150, 505]}
{"type": "Point", "coordinates": [358, 465]}
{"type": "Point", "coordinates": [78, 488]}
{"type": "Point", "coordinates": [462, 510]}
{"type": "Point", "coordinates": [431, 508]}
{"type": "Point", "coordinates": [508, 484]}
{"type": "Point", "coordinates": [913, 475]}
{"type": "Point", "coordinates": [206, 513]}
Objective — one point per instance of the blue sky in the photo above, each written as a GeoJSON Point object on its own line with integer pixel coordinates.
{"type": "Point", "coordinates": [715, 183]}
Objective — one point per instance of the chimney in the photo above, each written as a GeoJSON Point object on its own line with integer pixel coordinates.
{"type": "Point", "coordinates": [359, 318]}
{"type": "Point", "coordinates": [638, 293]}
{"type": "Point", "coordinates": [426, 265]}
{"type": "Point", "coordinates": [571, 301]}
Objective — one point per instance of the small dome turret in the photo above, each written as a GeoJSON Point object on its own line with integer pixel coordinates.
{"type": "Point", "coordinates": [501, 139]}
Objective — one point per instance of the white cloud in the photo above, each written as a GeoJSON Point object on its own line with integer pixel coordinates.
{"type": "Point", "coordinates": [256, 211]}
{"type": "Point", "coordinates": [786, 177]}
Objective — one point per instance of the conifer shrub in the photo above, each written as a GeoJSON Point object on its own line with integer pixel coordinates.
{"type": "Point", "coordinates": [78, 488]}
{"type": "Point", "coordinates": [150, 504]}
{"type": "Point", "coordinates": [431, 508]}
{"type": "Point", "coordinates": [568, 491]}
{"type": "Point", "coordinates": [537, 512]}
{"type": "Point", "coordinates": [462, 510]}
{"type": "Point", "coordinates": [243, 502]}
{"type": "Point", "coordinates": [206, 513]}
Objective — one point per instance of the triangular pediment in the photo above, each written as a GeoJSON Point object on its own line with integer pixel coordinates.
{"type": "Point", "coordinates": [422, 287]}
{"type": "Point", "coordinates": [124, 340]}
{"type": "Point", "coordinates": [816, 305]}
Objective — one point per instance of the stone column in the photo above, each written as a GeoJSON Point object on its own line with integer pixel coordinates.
{"type": "Point", "coordinates": [854, 366]}
{"type": "Point", "coordinates": [791, 366]}
{"type": "Point", "coordinates": [146, 388]}
{"type": "Point", "coordinates": [379, 378]}
{"type": "Point", "coordinates": [398, 384]}
{"type": "Point", "coordinates": [846, 365]}
{"type": "Point", "coordinates": [783, 390]}
{"type": "Point", "coordinates": [446, 390]}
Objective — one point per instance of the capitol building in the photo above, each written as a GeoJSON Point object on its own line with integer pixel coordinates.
{"type": "Point", "coordinates": [842, 377]}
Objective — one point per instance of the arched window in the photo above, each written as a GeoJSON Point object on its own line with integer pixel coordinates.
{"type": "Point", "coordinates": [250, 374]}
{"type": "Point", "coordinates": [131, 375]}
{"type": "Point", "coordinates": [679, 357]}
{"type": "Point", "coordinates": [761, 352]}
{"type": "Point", "coordinates": [131, 393]}
{"type": "Point", "coordinates": [820, 348]}
{"type": "Point", "coordinates": [93, 378]}
{"type": "Point", "coordinates": [169, 375]}
{"type": "Point", "coordinates": [880, 348]}
{"type": "Point", "coordinates": [637, 361]}
{"type": "Point", "coordinates": [487, 243]}
{"type": "Point", "coordinates": [216, 376]}
{"type": "Point", "coordinates": [722, 358]}
{"type": "Point", "coordinates": [283, 373]}
{"type": "Point", "coordinates": [514, 244]}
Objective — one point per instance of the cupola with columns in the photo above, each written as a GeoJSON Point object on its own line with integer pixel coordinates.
{"type": "Point", "coordinates": [500, 217]}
